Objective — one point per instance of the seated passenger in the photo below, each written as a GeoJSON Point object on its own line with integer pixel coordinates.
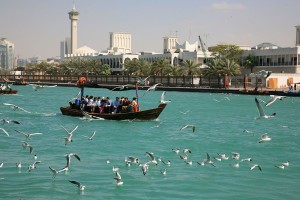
{"type": "Point", "coordinates": [134, 105]}
{"type": "Point", "coordinates": [115, 105]}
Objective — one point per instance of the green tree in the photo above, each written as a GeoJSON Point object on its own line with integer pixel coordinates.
{"type": "Point", "coordinates": [189, 67]}
{"type": "Point", "coordinates": [229, 67]}
{"type": "Point", "coordinates": [161, 67]}
{"type": "Point", "coordinates": [213, 68]}
{"type": "Point", "coordinates": [229, 51]}
{"type": "Point", "coordinates": [250, 62]}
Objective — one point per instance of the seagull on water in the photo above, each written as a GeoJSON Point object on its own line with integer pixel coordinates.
{"type": "Point", "coordinates": [166, 162]}
{"type": "Point", "coordinates": [115, 169]}
{"type": "Point", "coordinates": [153, 87]}
{"type": "Point", "coordinates": [15, 107]}
{"type": "Point", "coordinates": [28, 135]}
{"type": "Point", "coordinates": [79, 185]}
{"type": "Point", "coordinates": [246, 160]}
{"type": "Point", "coordinates": [223, 156]}
{"type": "Point", "coordinates": [262, 114]}
{"type": "Point", "coordinates": [163, 172]}
{"type": "Point", "coordinates": [185, 151]}
{"type": "Point", "coordinates": [273, 98]}
{"type": "Point", "coordinates": [189, 126]}
{"type": "Point", "coordinates": [118, 179]}
{"type": "Point", "coordinates": [264, 138]}
{"type": "Point", "coordinates": [69, 139]}
{"type": "Point", "coordinates": [151, 155]}
{"type": "Point", "coordinates": [91, 137]}
{"type": "Point", "coordinates": [287, 163]}
{"type": "Point", "coordinates": [185, 112]}
{"type": "Point", "coordinates": [235, 155]}
{"type": "Point", "coordinates": [133, 159]}
{"type": "Point", "coordinates": [33, 166]}
{"type": "Point", "coordinates": [176, 150]}
{"type": "Point", "coordinates": [162, 98]}
{"type": "Point", "coordinates": [19, 165]}
{"type": "Point", "coordinates": [4, 131]}
{"type": "Point", "coordinates": [207, 161]}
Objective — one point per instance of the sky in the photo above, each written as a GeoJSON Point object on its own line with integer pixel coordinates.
{"type": "Point", "coordinates": [36, 27]}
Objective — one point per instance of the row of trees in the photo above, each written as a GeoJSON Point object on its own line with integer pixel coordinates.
{"type": "Point", "coordinates": [224, 60]}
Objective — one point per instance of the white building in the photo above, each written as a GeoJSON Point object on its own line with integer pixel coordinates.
{"type": "Point", "coordinates": [119, 43]}
{"type": "Point", "coordinates": [7, 50]}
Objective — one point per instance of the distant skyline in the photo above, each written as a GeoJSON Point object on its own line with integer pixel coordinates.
{"type": "Point", "coordinates": [37, 27]}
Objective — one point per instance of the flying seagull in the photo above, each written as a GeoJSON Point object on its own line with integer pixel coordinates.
{"type": "Point", "coordinates": [79, 185]}
{"type": "Point", "coordinates": [5, 121]}
{"type": "Point", "coordinates": [123, 87]}
{"type": "Point", "coordinates": [118, 179]}
{"type": "Point", "coordinates": [189, 126]}
{"type": "Point", "coordinates": [264, 138]}
{"type": "Point", "coordinates": [141, 81]}
{"type": "Point", "coordinates": [15, 107]}
{"type": "Point", "coordinates": [262, 114]}
{"type": "Point", "coordinates": [87, 116]}
{"type": "Point", "coordinates": [273, 98]}
{"type": "Point", "coordinates": [153, 87]}
{"type": "Point", "coordinates": [91, 137]}
{"type": "Point", "coordinates": [162, 98]}
{"type": "Point", "coordinates": [28, 135]}
{"type": "Point", "coordinates": [25, 145]}
{"type": "Point", "coordinates": [69, 136]}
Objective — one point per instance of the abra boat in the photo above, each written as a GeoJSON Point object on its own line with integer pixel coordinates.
{"type": "Point", "coordinates": [149, 114]}
{"type": "Point", "coordinates": [6, 89]}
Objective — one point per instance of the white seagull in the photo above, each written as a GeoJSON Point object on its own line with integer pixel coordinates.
{"type": "Point", "coordinates": [69, 139]}
{"type": "Point", "coordinates": [153, 87]}
{"type": "Point", "coordinates": [68, 157]}
{"type": "Point", "coordinates": [32, 167]}
{"type": "Point", "coordinates": [151, 155]}
{"type": "Point", "coordinates": [273, 98]}
{"type": "Point", "coordinates": [235, 155]}
{"type": "Point", "coordinates": [4, 131]}
{"type": "Point", "coordinates": [118, 179]}
{"type": "Point", "coordinates": [25, 145]}
{"type": "Point", "coordinates": [55, 172]}
{"type": "Point", "coordinates": [255, 166]}
{"type": "Point", "coordinates": [162, 98]}
{"type": "Point", "coordinates": [163, 172]}
{"type": "Point", "coordinates": [189, 126]}
{"type": "Point", "coordinates": [5, 121]}
{"type": "Point", "coordinates": [123, 87]}
{"type": "Point", "coordinates": [28, 135]}
{"type": "Point", "coordinates": [262, 114]}
{"type": "Point", "coordinates": [264, 138]}
{"type": "Point", "coordinates": [15, 107]}
{"type": "Point", "coordinates": [79, 185]}
{"type": "Point", "coordinates": [91, 137]}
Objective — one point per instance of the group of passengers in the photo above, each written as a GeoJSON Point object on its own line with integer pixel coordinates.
{"type": "Point", "coordinates": [105, 105]}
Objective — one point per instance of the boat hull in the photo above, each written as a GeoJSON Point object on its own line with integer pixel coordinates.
{"type": "Point", "coordinates": [8, 91]}
{"type": "Point", "coordinates": [150, 114]}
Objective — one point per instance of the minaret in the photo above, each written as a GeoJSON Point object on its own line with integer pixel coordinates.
{"type": "Point", "coordinates": [297, 35]}
{"type": "Point", "coordinates": [73, 15]}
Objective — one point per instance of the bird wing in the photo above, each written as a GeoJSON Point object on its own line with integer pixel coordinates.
{"type": "Point", "coordinates": [4, 131]}
{"type": "Point", "coordinates": [8, 104]}
{"type": "Point", "coordinates": [94, 133]}
{"type": "Point", "coordinates": [36, 134]}
{"type": "Point", "coordinates": [75, 182]}
{"type": "Point", "coordinates": [162, 98]}
{"type": "Point", "coordinates": [272, 100]}
{"type": "Point", "coordinates": [74, 129]}
{"type": "Point", "coordinates": [16, 122]}
{"type": "Point", "coordinates": [184, 127]}
{"type": "Point", "coordinates": [76, 156]}
{"type": "Point", "coordinates": [150, 154]}
{"type": "Point", "coordinates": [21, 132]}
{"type": "Point", "coordinates": [23, 109]}
{"type": "Point", "coordinates": [260, 109]}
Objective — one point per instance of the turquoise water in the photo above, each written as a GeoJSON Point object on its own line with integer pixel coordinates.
{"type": "Point", "coordinates": [220, 120]}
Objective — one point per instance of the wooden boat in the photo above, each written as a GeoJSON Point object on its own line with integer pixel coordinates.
{"type": "Point", "coordinates": [74, 111]}
{"type": "Point", "coordinates": [20, 81]}
{"type": "Point", "coordinates": [149, 114]}
{"type": "Point", "coordinates": [8, 91]}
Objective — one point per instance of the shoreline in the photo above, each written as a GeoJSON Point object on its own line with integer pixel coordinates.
{"type": "Point", "coordinates": [251, 91]}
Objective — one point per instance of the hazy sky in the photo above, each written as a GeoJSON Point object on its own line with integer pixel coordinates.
{"type": "Point", "coordinates": [36, 27]}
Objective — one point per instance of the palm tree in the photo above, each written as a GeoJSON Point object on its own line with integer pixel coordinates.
{"type": "Point", "coordinates": [213, 68]}
{"type": "Point", "coordinates": [250, 62]}
{"type": "Point", "coordinates": [189, 68]}
{"type": "Point", "coordinates": [229, 67]}
{"type": "Point", "coordinates": [161, 67]}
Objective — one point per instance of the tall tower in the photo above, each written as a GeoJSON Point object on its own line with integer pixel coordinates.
{"type": "Point", "coordinates": [73, 15]}
{"type": "Point", "coordinates": [297, 35]}
{"type": "Point", "coordinates": [170, 44]}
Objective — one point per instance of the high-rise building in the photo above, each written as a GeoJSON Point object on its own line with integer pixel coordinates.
{"type": "Point", "coordinates": [65, 47]}
{"type": "Point", "coordinates": [7, 50]}
{"type": "Point", "coordinates": [73, 15]}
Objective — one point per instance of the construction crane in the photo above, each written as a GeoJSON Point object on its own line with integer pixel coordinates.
{"type": "Point", "coordinates": [203, 50]}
